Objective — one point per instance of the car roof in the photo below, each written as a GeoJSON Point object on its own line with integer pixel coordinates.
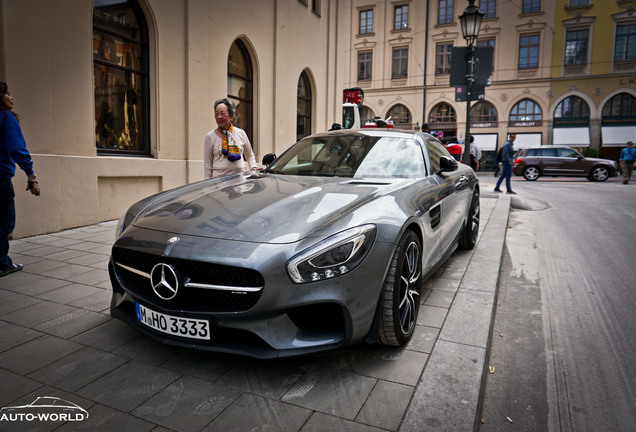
{"type": "Point", "coordinates": [381, 132]}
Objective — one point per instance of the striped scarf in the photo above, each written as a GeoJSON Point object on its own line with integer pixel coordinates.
{"type": "Point", "coordinates": [229, 148]}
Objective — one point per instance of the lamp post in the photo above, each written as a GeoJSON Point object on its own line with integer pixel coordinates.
{"type": "Point", "coordinates": [470, 21]}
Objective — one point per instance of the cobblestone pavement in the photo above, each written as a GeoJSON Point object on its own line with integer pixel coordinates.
{"type": "Point", "coordinates": [58, 340]}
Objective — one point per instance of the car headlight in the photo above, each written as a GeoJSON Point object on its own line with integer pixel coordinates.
{"type": "Point", "coordinates": [124, 222]}
{"type": "Point", "coordinates": [333, 257]}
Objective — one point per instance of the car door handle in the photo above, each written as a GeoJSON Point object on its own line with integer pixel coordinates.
{"type": "Point", "coordinates": [462, 182]}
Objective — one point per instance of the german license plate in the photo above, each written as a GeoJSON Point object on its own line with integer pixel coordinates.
{"type": "Point", "coordinates": [173, 325]}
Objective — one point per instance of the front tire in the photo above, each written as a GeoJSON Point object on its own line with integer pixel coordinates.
{"type": "Point", "coordinates": [531, 173]}
{"type": "Point", "coordinates": [599, 174]}
{"type": "Point", "coordinates": [401, 292]}
{"type": "Point", "coordinates": [468, 237]}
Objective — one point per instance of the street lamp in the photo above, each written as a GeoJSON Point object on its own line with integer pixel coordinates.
{"type": "Point", "coordinates": [470, 21]}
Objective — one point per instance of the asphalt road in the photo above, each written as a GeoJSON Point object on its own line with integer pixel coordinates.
{"type": "Point", "coordinates": [563, 346]}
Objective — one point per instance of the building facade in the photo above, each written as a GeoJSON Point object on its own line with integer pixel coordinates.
{"type": "Point", "coordinates": [520, 34]}
{"type": "Point", "coordinates": [116, 96]}
{"type": "Point", "coordinates": [593, 85]}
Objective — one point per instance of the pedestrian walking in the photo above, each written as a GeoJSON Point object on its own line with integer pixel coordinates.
{"type": "Point", "coordinates": [507, 152]}
{"type": "Point", "coordinates": [12, 150]}
{"type": "Point", "coordinates": [475, 154]}
{"type": "Point", "coordinates": [628, 160]}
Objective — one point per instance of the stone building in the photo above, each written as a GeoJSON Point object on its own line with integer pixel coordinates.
{"type": "Point", "coordinates": [116, 96]}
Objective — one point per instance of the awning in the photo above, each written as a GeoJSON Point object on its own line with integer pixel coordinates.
{"type": "Point", "coordinates": [575, 137]}
{"type": "Point", "coordinates": [617, 136]}
{"type": "Point", "coordinates": [527, 140]}
{"type": "Point", "coordinates": [486, 142]}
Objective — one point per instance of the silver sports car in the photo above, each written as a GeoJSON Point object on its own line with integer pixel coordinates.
{"type": "Point", "coordinates": [326, 247]}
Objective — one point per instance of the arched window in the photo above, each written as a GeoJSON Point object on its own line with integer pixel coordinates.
{"type": "Point", "coordinates": [572, 110]}
{"type": "Point", "coordinates": [240, 87]}
{"type": "Point", "coordinates": [303, 113]}
{"type": "Point", "coordinates": [443, 113]}
{"type": "Point", "coordinates": [401, 117]}
{"type": "Point", "coordinates": [483, 112]}
{"type": "Point", "coordinates": [120, 76]}
{"type": "Point", "coordinates": [620, 109]}
{"type": "Point", "coordinates": [366, 115]}
{"type": "Point", "coordinates": [526, 110]}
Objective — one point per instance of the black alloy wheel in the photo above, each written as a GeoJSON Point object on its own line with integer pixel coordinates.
{"type": "Point", "coordinates": [468, 237]}
{"type": "Point", "coordinates": [401, 292]}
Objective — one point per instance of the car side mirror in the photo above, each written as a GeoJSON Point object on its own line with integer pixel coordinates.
{"type": "Point", "coordinates": [447, 164]}
{"type": "Point", "coordinates": [269, 158]}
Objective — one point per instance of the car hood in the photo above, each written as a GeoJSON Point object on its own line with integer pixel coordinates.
{"type": "Point", "coordinates": [262, 208]}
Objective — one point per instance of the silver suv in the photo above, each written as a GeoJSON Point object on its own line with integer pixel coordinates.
{"type": "Point", "coordinates": [534, 162]}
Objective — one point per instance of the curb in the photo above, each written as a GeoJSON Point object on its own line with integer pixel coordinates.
{"type": "Point", "coordinates": [447, 396]}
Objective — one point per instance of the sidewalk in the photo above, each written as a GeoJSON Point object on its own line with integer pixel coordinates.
{"type": "Point", "coordinates": [59, 340]}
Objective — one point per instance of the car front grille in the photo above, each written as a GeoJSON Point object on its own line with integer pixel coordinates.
{"type": "Point", "coordinates": [189, 299]}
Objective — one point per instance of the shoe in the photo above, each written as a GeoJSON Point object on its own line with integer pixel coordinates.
{"type": "Point", "coordinates": [625, 182]}
{"type": "Point", "coordinates": [498, 190]}
{"type": "Point", "coordinates": [511, 193]}
{"type": "Point", "coordinates": [494, 175]}
{"type": "Point", "coordinates": [12, 269]}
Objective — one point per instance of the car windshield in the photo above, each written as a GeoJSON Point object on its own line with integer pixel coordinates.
{"type": "Point", "coordinates": [353, 155]}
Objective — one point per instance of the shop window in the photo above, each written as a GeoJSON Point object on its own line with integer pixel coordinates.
{"type": "Point", "coordinates": [366, 115]}
{"type": "Point", "coordinates": [240, 88]}
{"type": "Point", "coordinates": [620, 109]}
{"type": "Point", "coordinates": [526, 110]}
{"type": "Point", "coordinates": [572, 110]}
{"type": "Point", "coordinates": [443, 113]}
{"type": "Point", "coordinates": [483, 112]}
{"type": "Point", "coordinates": [401, 117]}
{"type": "Point", "coordinates": [120, 76]}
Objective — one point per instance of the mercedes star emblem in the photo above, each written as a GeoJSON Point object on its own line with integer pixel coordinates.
{"type": "Point", "coordinates": [164, 281]}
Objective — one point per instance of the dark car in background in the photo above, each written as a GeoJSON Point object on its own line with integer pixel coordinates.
{"type": "Point", "coordinates": [534, 162]}
{"type": "Point", "coordinates": [326, 247]}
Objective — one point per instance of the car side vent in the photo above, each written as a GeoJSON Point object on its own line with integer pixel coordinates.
{"type": "Point", "coordinates": [436, 216]}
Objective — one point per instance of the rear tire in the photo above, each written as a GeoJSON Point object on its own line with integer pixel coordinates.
{"type": "Point", "coordinates": [401, 292]}
{"type": "Point", "coordinates": [531, 173]}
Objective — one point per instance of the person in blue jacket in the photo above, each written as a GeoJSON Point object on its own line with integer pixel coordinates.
{"type": "Point", "coordinates": [12, 150]}
{"type": "Point", "coordinates": [507, 153]}
{"type": "Point", "coordinates": [628, 160]}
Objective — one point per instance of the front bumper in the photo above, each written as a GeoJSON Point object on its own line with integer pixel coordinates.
{"type": "Point", "coordinates": [279, 319]}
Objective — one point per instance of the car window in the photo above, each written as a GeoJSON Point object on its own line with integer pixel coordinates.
{"type": "Point", "coordinates": [569, 153]}
{"type": "Point", "coordinates": [352, 155]}
{"type": "Point", "coordinates": [543, 152]}
{"type": "Point", "coordinates": [435, 152]}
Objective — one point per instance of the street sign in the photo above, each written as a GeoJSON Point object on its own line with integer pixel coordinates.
{"type": "Point", "coordinates": [477, 93]}
{"type": "Point", "coordinates": [459, 66]}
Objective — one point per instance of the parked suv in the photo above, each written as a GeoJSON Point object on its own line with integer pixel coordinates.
{"type": "Point", "coordinates": [534, 162]}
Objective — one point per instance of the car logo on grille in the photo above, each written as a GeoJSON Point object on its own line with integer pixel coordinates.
{"type": "Point", "coordinates": [164, 281]}
{"type": "Point", "coordinates": [174, 239]}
